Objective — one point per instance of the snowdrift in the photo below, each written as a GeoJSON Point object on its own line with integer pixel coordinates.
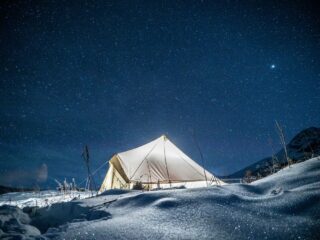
{"type": "Point", "coordinates": [285, 205]}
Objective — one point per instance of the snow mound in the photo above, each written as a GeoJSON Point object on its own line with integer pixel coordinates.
{"type": "Point", "coordinates": [285, 205]}
{"type": "Point", "coordinates": [14, 224]}
{"type": "Point", "coordinates": [57, 215]}
{"type": "Point", "coordinates": [166, 203]}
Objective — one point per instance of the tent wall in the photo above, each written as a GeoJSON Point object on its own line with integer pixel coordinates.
{"type": "Point", "coordinates": [118, 181]}
{"type": "Point", "coordinates": [116, 162]}
{"type": "Point", "coordinates": [107, 182]}
{"type": "Point", "coordinates": [113, 180]}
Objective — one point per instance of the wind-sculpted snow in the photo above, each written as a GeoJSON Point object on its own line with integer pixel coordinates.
{"type": "Point", "coordinates": [285, 205]}
{"type": "Point", "coordinates": [15, 224]}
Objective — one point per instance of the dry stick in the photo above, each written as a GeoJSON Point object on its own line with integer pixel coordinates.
{"type": "Point", "coordinates": [90, 182]}
{"type": "Point", "coordinates": [283, 142]}
{"type": "Point", "coordinates": [198, 146]}
{"type": "Point", "coordinates": [94, 172]}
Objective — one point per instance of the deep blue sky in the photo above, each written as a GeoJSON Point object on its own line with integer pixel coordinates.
{"type": "Point", "coordinates": [115, 75]}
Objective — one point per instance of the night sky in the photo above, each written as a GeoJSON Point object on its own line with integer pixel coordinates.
{"type": "Point", "coordinates": [115, 75]}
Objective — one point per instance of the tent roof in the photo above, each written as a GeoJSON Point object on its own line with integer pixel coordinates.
{"type": "Point", "coordinates": [160, 161]}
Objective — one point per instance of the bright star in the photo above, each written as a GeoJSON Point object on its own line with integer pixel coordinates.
{"type": "Point", "coordinates": [273, 66]}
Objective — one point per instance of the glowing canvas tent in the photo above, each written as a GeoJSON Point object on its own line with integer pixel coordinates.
{"type": "Point", "coordinates": [156, 164]}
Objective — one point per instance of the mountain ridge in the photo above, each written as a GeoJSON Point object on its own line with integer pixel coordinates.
{"type": "Point", "coordinates": [303, 146]}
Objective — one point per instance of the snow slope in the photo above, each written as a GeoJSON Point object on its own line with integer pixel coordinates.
{"type": "Point", "coordinates": [304, 145]}
{"type": "Point", "coordinates": [285, 205]}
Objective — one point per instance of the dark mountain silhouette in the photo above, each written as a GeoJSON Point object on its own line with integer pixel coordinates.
{"type": "Point", "coordinates": [303, 146]}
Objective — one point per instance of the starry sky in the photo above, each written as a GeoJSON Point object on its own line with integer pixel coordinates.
{"type": "Point", "coordinates": [117, 74]}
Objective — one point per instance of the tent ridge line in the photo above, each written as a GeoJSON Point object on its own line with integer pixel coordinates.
{"type": "Point", "coordinates": [143, 160]}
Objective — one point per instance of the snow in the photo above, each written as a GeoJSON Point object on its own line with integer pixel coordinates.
{"type": "Point", "coordinates": [285, 205]}
{"type": "Point", "coordinates": [14, 224]}
{"type": "Point", "coordinates": [41, 199]}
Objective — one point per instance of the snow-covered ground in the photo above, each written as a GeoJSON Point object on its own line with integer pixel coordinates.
{"type": "Point", "coordinates": [41, 199]}
{"type": "Point", "coordinates": [285, 205]}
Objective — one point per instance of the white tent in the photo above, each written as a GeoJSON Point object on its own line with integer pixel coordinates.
{"type": "Point", "coordinates": [156, 164]}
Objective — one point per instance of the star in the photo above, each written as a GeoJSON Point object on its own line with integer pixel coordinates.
{"type": "Point", "coordinates": [272, 66]}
